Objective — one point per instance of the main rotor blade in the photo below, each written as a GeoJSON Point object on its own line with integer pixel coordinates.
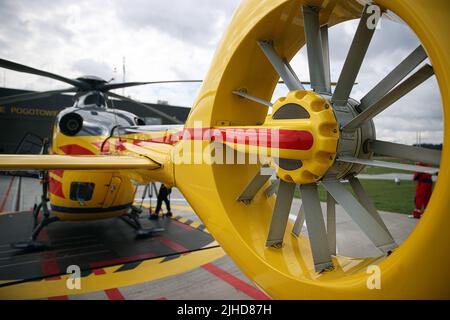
{"type": "Point", "coordinates": [33, 95]}
{"type": "Point", "coordinates": [258, 181]}
{"type": "Point", "coordinates": [391, 165]}
{"type": "Point", "coordinates": [160, 113]}
{"type": "Point", "coordinates": [368, 224]}
{"type": "Point", "coordinates": [393, 96]}
{"type": "Point", "coordinates": [402, 151]}
{"type": "Point", "coordinates": [280, 214]}
{"type": "Point", "coordinates": [316, 227]}
{"type": "Point", "coordinates": [112, 86]}
{"type": "Point", "coordinates": [22, 68]}
{"type": "Point", "coordinates": [354, 60]}
{"type": "Point", "coordinates": [393, 78]}
{"type": "Point", "coordinates": [281, 66]}
{"type": "Point", "coordinates": [314, 49]}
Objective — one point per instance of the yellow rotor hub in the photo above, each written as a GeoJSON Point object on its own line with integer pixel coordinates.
{"type": "Point", "coordinates": [311, 113]}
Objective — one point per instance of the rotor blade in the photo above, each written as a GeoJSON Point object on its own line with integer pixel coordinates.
{"type": "Point", "coordinates": [299, 221]}
{"type": "Point", "coordinates": [326, 57]}
{"type": "Point", "coordinates": [316, 227]}
{"type": "Point", "coordinates": [33, 95]}
{"type": "Point", "coordinates": [281, 66]}
{"type": "Point", "coordinates": [402, 151]}
{"type": "Point", "coordinates": [22, 68]}
{"type": "Point", "coordinates": [393, 78]}
{"type": "Point", "coordinates": [354, 60]}
{"type": "Point", "coordinates": [273, 188]}
{"type": "Point", "coordinates": [244, 94]}
{"type": "Point", "coordinates": [53, 161]}
{"type": "Point", "coordinates": [393, 96]}
{"type": "Point", "coordinates": [368, 224]}
{"type": "Point", "coordinates": [258, 181]}
{"type": "Point", "coordinates": [280, 214]}
{"type": "Point", "coordinates": [112, 86]}
{"type": "Point", "coordinates": [331, 223]}
{"type": "Point", "coordinates": [391, 165]}
{"type": "Point", "coordinates": [160, 113]}
{"type": "Point", "coordinates": [366, 202]}
{"type": "Point", "coordinates": [314, 49]}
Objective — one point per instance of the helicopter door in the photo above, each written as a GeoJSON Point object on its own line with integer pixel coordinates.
{"type": "Point", "coordinates": [113, 190]}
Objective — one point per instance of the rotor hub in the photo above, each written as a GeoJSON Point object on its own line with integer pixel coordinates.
{"type": "Point", "coordinates": [304, 111]}
{"type": "Point", "coordinates": [351, 143]}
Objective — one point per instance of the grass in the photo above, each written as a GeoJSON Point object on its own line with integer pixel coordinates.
{"type": "Point", "coordinates": [386, 195]}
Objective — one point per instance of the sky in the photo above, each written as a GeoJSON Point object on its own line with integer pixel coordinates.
{"type": "Point", "coordinates": [176, 39]}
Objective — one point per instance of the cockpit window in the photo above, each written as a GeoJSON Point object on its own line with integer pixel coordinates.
{"type": "Point", "coordinates": [139, 121]}
{"type": "Point", "coordinates": [95, 98]}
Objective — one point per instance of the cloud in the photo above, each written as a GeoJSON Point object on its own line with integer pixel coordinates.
{"type": "Point", "coordinates": [195, 22]}
{"type": "Point", "coordinates": [176, 39]}
{"type": "Point", "coordinates": [93, 67]}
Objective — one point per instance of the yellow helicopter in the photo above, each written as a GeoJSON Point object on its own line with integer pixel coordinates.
{"type": "Point", "coordinates": [308, 138]}
{"type": "Point", "coordinates": [87, 129]}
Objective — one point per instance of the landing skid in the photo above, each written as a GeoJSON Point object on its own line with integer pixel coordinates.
{"type": "Point", "coordinates": [33, 244]}
{"type": "Point", "coordinates": [131, 218]}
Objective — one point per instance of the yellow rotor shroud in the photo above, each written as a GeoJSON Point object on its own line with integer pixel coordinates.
{"type": "Point", "coordinates": [417, 269]}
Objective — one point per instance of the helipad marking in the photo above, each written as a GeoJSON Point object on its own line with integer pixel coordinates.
{"type": "Point", "coordinates": [149, 270]}
{"type": "Point", "coordinates": [125, 265]}
{"type": "Point", "coordinates": [128, 272]}
{"type": "Point", "coordinates": [194, 224]}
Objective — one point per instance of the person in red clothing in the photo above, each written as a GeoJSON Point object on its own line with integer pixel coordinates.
{"type": "Point", "coordinates": [424, 188]}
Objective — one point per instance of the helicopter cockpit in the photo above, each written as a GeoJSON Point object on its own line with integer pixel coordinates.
{"type": "Point", "coordinates": [94, 99]}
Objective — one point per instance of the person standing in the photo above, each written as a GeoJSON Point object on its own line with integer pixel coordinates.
{"type": "Point", "coordinates": [424, 189]}
{"type": "Point", "coordinates": [163, 195]}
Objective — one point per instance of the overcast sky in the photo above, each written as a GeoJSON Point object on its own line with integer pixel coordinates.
{"type": "Point", "coordinates": [176, 39]}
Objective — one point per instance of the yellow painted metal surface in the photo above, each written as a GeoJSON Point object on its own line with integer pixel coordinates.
{"type": "Point", "coordinates": [324, 128]}
{"type": "Point", "coordinates": [66, 162]}
{"type": "Point", "coordinates": [113, 192]}
{"type": "Point", "coordinates": [418, 269]}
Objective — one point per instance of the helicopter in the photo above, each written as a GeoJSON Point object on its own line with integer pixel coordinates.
{"type": "Point", "coordinates": [325, 138]}
{"type": "Point", "coordinates": [85, 129]}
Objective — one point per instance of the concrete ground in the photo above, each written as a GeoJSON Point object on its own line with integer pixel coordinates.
{"type": "Point", "coordinates": [350, 239]}
{"type": "Point", "coordinates": [207, 282]}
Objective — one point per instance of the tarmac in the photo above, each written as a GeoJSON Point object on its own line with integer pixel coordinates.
{"type": "Point", "coordinates": [206, 273]}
